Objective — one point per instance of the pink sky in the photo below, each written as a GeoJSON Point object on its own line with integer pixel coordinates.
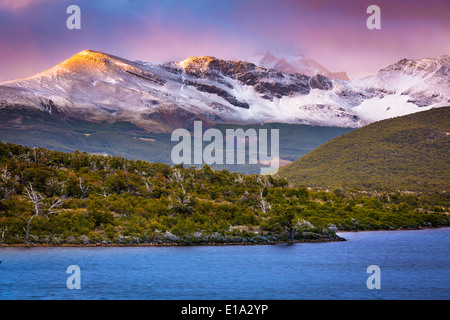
{"type": "Point", "coordinates": [34, 37]}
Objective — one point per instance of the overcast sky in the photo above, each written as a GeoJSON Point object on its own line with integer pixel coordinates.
{"type": "Point", "coordinates": [34, 36]}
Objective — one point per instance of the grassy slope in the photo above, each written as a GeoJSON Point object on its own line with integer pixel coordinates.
{"type": "Point", "coordinates": [405, 153]}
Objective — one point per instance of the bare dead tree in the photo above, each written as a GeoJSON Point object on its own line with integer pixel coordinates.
{"type": "Point", "coordinates": [36, 198]}
{"type": "Point", "coordinates": [184, 198]}
{"type": "Point", "coordinates": [239, 178]}
{"type": "Point", "coordinates": [6, 183]}
{"type": "Point", "coordinates": [125, 166]}
{"type": "Point", "coordinates": [263, 204]}
{"type": "Point", "coordinates": [24, 157]}
{"type": "Point", "coordinates": [176, 176]}
{"type": "Point", "coordinates": [93, 165]}
{"type": "Point", "coordinates": [181, 202]}
{"type": "Point", "coordinates": [104, 194]}
{"type": "Point", "coordinates": [56, 187]}
{"type": "Point", "coordinates": [56, 203]}
{"type": "Point", "coordinates": [5, 174]}
{"type": "Point", "coordinates": [34, 154]}
{"type": "Point", "coordinates": [84, 189]}
{"type": "Point", "coordinates": [263, 181]}
{"type": "Point", "coordinates": [3, 230]}
{"type": "Point", "coordinates": [149, 185]}
{"type": "Point", "coordinates": [38, 203]}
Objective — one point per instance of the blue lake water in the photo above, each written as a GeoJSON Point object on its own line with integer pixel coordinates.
{"type": "Point", "coordinates": [413, 265]}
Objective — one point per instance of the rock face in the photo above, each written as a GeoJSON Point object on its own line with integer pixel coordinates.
{"type": "Point", "coordinates": [161, 97]}
{"type": "Point", "coordinates": [269, 83]}
{"type": "Point", "coordinates": [320, 82]}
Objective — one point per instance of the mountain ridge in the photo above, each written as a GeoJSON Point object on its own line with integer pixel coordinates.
{"type": "Point", "coordinates": [295, 64]}
{"type": "Point", "coordinates": [160, 97]}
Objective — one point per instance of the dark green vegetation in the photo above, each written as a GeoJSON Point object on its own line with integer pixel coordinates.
{"type": "Point", "coordinates": [52, 197]}
{"type": "Point", "coordinates": [405, 153]}
{"type": "Point", "coordinates": [41, 129]}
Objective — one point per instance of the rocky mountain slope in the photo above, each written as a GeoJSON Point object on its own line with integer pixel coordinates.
{"type": "Point", "coordinates": [161, 97]}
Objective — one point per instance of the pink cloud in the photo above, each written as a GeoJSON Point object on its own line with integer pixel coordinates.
{"type": "Point", "coordinates": [18, 4]}
{"type": "Point", "coordinates": [335, 33]}
{"type": "Point", "coordinates": [34, 36]}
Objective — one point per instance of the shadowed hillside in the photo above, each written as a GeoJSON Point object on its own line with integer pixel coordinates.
{"type": "Point", "coordinates": [404, 153]}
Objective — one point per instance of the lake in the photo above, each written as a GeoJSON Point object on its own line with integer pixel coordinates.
{"type": "Point", "coordinates": [412, 265]}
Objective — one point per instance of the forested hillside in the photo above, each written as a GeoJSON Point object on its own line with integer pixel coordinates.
{"type": "Point", "coordinates": [51, 197]}
{"type": "Point", "coordinates": [409, 153]}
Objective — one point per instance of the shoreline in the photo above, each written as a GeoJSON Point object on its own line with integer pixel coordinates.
{"type": "Point", "coordinates": [212, 244]}
{"type": "Point", "coordinates": [398, 229]}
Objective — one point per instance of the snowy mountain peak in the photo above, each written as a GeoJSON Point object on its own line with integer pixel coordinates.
{"type": "Point", "coordinates": [90, 55]}
{"type": "Point", "coordinates": [84, 59]}
{"type": "Point", "coordinates": [100, 87]}
{"type": "Point", "coordinates": [87, 61]}
{"type": "Point", "coordinates": [294, 64]}
{"type": "Point", "coordinates": [94, 61]}
{"type": "Point", "coordinates": [209, 66]}
{"type": "Point", "coordinates": [203, 62]}
{"type": "Point", "coordinates": [425, 66]}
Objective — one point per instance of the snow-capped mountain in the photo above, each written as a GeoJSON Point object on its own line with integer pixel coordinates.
{"type": "Point", "coordinates": [294, 64]}
{"type": "Point", "coordinates": [160, 97]}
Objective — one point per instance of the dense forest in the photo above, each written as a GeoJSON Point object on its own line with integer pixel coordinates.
{"type": "Point", "coordinates": [57, 198]}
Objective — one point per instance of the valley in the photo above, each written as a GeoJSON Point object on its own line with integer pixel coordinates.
{"type": "Point", "coordinates": [86, 153]}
